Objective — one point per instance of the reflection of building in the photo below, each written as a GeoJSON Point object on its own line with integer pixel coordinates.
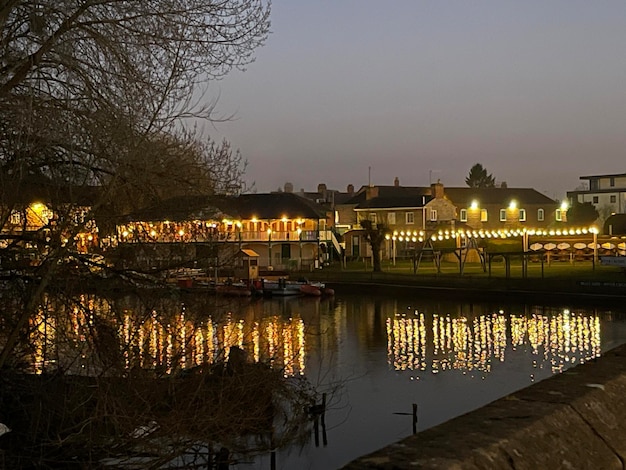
{"type": "Point", "coordinates": [467, 344]}
{"type": "Point", "coordinates": [161, 341]}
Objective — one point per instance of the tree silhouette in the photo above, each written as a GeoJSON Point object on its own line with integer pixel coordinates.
{"type": "Point", "coordinates": [582, 213]}
{"type": "Point", "coordinates": [479, 178]}
{"type": "Point", "coordinates": [375, 235]}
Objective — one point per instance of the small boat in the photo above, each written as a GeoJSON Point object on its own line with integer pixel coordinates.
{"type": "Point", "coordinates": [310, 289]}
{"type": "Point", "coordinates": [234, 290]}
{"type": "Point", "coordinates": [280, 288]}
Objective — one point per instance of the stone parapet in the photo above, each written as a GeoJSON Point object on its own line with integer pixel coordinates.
{"type": "Point", "coordinates": [575, 420]}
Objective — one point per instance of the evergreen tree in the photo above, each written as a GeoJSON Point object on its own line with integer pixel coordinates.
{"type": "Point", "coordinates": [479, 178]}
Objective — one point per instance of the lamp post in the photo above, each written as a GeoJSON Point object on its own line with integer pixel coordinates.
{"type": "Point", "coordinates": [269, 247]}
{"type": "Point", "coordinates": [299, 231]}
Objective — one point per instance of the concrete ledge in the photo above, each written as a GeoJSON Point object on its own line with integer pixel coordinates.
{"type": "Point", "coordinates": [575, 420]}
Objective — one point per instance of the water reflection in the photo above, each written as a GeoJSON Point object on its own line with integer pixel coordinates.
{"type": "Point", "coordinates": [373, 355]}
{"type": "Point", "coordinates": [164, 341]}
{"type": "Point", "coordinates": [444, 342]}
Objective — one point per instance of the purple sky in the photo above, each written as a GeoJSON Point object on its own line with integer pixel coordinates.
{"type": "Point", "coordinates": [533, 90]}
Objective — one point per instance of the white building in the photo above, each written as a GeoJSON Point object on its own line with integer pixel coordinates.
{"type": "Point", "coordinates": [606, 192]}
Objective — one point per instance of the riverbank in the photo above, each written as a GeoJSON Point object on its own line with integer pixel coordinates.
{"type": "Point", "coordinates": [559, 283]}
{"type": "Point", "coordinates": [576, 420]}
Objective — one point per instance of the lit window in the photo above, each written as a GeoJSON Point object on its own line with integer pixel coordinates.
{"type": "Point", "coordinates": [410, 219]}
{"type": "Point", "coordinates": [522, 215]}
{"type": "Point", "coordinates": [502, 215]}
{"type": "Point", "coordinates": [559, 215]}
{"type": "Point", "coordinates": [391, 218]}
{"type": "Point", "coordinates": [373, 217]}
{"type": "Point", "coordinates": [540, 215]}
{"type": "Point", "coordinates": [463, 215]}
{"type": "Point", "coordinates": [16, 218]}
{"type": "Point", "coordinates": [484, 215]}
{"type": "Point", "coordinates": [433, 215]}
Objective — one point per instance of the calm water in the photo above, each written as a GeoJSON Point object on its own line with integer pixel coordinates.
{"type": "Point", "coordinates": [377, 356]}
{"type": "Point", "coordinates": [374, 356]}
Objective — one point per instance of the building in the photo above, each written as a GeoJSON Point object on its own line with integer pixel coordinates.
{"type": "Point", "coordinates": [607, 193]}
{"type": "Point", "coordinates": [411, 212]}
{"type": "Point", "coordinates": [286, 230]}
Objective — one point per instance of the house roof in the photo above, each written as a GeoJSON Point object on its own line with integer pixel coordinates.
{"type": "Point", "coordinates": [395, 202]}
{"type": "Point", "coordinates": [245, 206]}
{"type": "Point", "coordinates": [35, 187]}
{"type": "Point", "coordinates": [397, 193]}
{"type": "Point", "coordinates": [461, 196]}
{"type": "Point", "coordinates": [616, 175]}
{"type": "Point", "coordinates": [181, 208]}
{"type": "Point", "coordinates": [276, 206]}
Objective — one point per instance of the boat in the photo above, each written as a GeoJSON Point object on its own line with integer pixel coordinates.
{"type": "Point", "coordinates": [234, 290]}
{"type": "Point", "coordinates": [280, 288]}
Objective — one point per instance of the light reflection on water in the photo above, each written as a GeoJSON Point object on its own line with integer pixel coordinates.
{"type": "Point", "coordinates": [474, 344]}
{"type": "Point", "coordinates": [375, 356]}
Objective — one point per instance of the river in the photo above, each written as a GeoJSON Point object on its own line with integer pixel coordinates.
{"type": "Point", "coordinates": [377, 356]}
{"type": "Point", "coordinates": [374, 356]}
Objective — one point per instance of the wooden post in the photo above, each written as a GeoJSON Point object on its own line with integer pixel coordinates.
{"type": "Point", "coordinates": [324, 436]}
{"type": "Point", "coordinates": [414, 418]}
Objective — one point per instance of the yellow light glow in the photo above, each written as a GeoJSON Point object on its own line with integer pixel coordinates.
{"type": "Point", "coordinates": [474, 205]}
{"type": "Point", "coordinates": [564, 206]}
{"type": "Point", "coordinates": [284, 218]}
{"type": "Point", "coordinates": [513, 205]}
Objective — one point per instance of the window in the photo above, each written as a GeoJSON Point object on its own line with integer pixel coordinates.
{"type": "Point", "coordinates": [612, 182]}
{"type": "Point", "coordinates": [391, 218]}
{"type": "Point", "coordinates": [559, 215]}
{"type": "Point", "coordinates": [522, 215]}
{"type": "Point", "coordinates": [595, 199]}
{"type": "Point", "coordinates": [463, 215]}
{"type": "Point", "coordinates": [372, 217]}
{"type": "Point", "coordinates": [613, 199]}
{"type": "Point", "coordinates": [484, 215]}
{"type": "Point", "coordinates": [502, 215]}
{"type": "Point", "coordinates": [433, 215]}
{"type": "Point", "coordinates": [541, 215]}
{"type": "Point", "coordinates": [410, 218]}
{"type": "Point", "coordinates": [16, 218]}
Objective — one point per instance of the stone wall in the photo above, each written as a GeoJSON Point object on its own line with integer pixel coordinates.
{"type": "Point", "coordinates": [576, 420]}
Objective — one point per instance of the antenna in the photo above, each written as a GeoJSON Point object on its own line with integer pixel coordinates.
{"type": "Point", "coordinates": [430, 175]}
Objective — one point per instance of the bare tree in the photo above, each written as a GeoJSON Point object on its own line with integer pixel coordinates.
{"type": "Point", "coordinates": [92, 92]}
{"type": "Point", "coordinates": [94, 95]}
{"type": "Point", "coordinates": [375, 236]}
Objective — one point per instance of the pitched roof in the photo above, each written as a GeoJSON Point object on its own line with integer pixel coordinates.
{"type": "Point", "coordinates": [392, 193]}
{"type": "Point", "coordinates": [395, 202]}
{"type": "Point", "coordinates": [245, 206]}
{"type": "Point", "coordinates": [182, 208]}
{"type": "Point", "coordinates": [461, 196]}
{"type": "Point", "coordinates": [276, 206]}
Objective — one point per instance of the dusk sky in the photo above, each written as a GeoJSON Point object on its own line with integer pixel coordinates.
{"type": "Point", "coordinates": [534, 90]}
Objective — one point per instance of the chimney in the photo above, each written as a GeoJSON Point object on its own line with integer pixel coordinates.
{"type": "Point", "coordinates": [371, 192]}
{"type": "Point", "coordinates": [350, 189]}
{"type": "Point", "coordinates": [396, 182]}
{"type": "Point", "coordinates": [288, 187]}
{"type": "Point", "coordinates": [436, 190]}
{"type": "Point", "coordinates": [321, 190]}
